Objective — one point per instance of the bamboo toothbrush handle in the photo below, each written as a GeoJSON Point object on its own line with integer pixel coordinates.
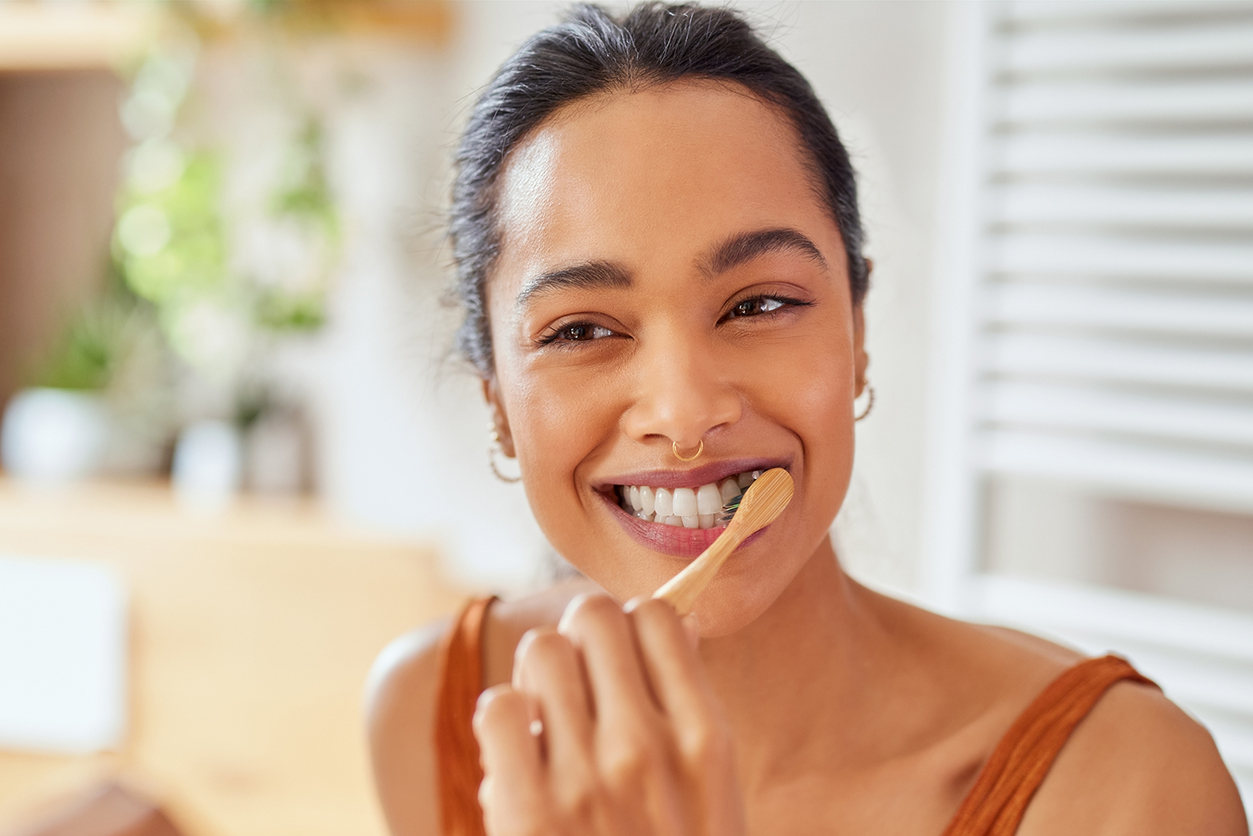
{"type": "Point", "coordinates": [761, 504]}
{"type": "Point", "coordinates": [683, 589]}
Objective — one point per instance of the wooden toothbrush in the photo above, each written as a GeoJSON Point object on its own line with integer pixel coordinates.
{"type": "Point", "coordinates": [764, 500]}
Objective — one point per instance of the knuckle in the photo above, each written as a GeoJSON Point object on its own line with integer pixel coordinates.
{"type": "Point", "coordinates": [625, 768]}
{"type": "Point", "coordinates": [579, 797]}
{"type": "Point", "coordinates": [628, 763]}
{"type": "Point", "coordinates": [487, 798]}
{"type": "Point", "coordinates": [654, 609]}
{"type": "Point", "coordinates": [496, 704]}
{"type": "Point", "coordinates": [589, 609]}
{"type": "Point", "coordinates": [539, 646]}
{"type": "Point", "coordinates": [656, 621]}
{"type": "Point", "coordinates": [704, 745]}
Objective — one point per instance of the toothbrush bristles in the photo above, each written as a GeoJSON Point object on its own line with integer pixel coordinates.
{"type": "Point", "coordinates": [728, 510]}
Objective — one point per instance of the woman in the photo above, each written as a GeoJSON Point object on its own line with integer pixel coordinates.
{"type": "Point", "coordinates": [659, 251]}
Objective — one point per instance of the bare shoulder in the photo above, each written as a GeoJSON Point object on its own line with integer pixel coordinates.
{"type": "Point", "coordinates": [401, 698]}
{"type": "Point", "coordinates": [508, 621]}
{"type": "Point", "coordinates": [400, 713]}
{"type": "Point", "coordinates": [1137, 764]}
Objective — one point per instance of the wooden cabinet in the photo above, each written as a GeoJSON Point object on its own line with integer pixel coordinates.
{"type": "Point", "coordinates": [252, 634]}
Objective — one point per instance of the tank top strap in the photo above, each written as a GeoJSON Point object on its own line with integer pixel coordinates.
{"type": "Point", "coordinates": [456, 750]}
{"type": "Point", "coordinates": [1016, 768]}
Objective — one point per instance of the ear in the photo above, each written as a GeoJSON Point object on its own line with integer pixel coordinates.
{"type": "Point", "coordinates": [860, 358]}
{"type": "Point", "coordinates": [500, 419]}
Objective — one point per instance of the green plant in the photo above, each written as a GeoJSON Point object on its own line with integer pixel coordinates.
{"type": "Point", "coordinates": [303, 199]}
{"type": "Point", "coordinates": [94, 344]}
{"type": "Point", "coordinates": [171, 240]}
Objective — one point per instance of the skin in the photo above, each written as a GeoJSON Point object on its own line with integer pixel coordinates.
{"type": "Point", "coordinates": [879, 715]}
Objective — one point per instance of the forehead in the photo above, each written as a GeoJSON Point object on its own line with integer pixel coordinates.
{"type": "Point", "coordinates": [645, 177]}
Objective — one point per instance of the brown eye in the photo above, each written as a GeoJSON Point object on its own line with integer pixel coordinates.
{"type": "Point", "coordinates": [576, 332]}
{"type": "Point", "coordinates": [582, 332]}
{"type": "Point", "coordinates": [757, 306]}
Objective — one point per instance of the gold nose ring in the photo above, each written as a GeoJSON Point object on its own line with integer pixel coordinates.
{"type": "Point", "coordinates": [674, 448]}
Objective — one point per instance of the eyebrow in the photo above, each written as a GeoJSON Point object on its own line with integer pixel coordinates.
{"type": "Point", "coordinates": [590, 275]}
{"type": "Point", "coordinates": [744, 247]}
{"type": "Point", "coordinates": [736, 250]}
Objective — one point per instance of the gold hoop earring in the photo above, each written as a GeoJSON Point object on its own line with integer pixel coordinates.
{"type": "Point", "coordinates": [492, 450]}
{"type": "Point", "coordinates": [674, 448]}
{"type": "Point", "coordinates": [869, 403]}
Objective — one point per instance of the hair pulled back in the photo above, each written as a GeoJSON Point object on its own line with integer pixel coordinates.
{"type": "Point", "coordinates": [593, 52]}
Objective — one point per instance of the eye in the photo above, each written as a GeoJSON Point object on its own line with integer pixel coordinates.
{"type": "Point", "coordinates": [755, 306]}
{"type": "Point", "coordinates": [576, 332]}
{"type": "Point", "coordinates": [762, 305]}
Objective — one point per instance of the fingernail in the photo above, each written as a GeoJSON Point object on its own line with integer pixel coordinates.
{"type": "Point", "coordinates": [691, 625]}
{"type": "Point", "coordinates": [563, 626]}
{"type": "Point", "coordinates": [523, 644]}
{"type": "Point", "coordinates": [634, 603]}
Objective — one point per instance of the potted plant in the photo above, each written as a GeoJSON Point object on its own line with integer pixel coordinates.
{"type": "Point", "coordinates": [60, 427]}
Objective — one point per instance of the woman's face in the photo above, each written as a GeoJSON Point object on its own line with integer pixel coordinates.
{"type": "Point", "coordinates": [669, 275]}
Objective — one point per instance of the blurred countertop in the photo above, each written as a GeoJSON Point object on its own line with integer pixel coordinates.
{"type": "Point", "coordinates": [73, 36]}
{"type": "Point", "coordinates": [252, 633]}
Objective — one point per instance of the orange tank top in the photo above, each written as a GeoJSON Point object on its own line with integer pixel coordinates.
{"type": "Point", "coordinates": [993, 807]}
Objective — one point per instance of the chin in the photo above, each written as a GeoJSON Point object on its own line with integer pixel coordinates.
{"type": "Point", "coordinates": [731, 604]}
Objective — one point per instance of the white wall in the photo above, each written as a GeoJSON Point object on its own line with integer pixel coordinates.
{"type": "Point", "coordinates": [406, 432]}
{"type": "Point", "coordinates": [879, 69]}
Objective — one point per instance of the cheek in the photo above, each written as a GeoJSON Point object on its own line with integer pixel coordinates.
{"type": "Point", "coordinates": [824, 400]}
{"type": "Point", "coordinates": [812, 396]}
{"type": "Point", "coordinates": [555, 426]}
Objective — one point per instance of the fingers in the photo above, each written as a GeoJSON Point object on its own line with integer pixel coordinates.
{"type": "Point", "coordinates": [633, 736]}
{"type": "Point", "coordinates": [677, 677]}
{"type": "Point", "coordinates": [700, 729]}
{"type": "Point", "coordinates": [597, 627]}
{"type": "Point", "coordinates": [632, 750]}
{"type": "Point", "coordinates": [547, 667]}
{"type": "Point", "coordinates": [513, 792]}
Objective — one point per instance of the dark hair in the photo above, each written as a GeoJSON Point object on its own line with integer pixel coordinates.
{"type": "Point", "coordinates": [592, 52]}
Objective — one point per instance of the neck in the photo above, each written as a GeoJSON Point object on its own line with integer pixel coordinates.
{"type": "Point", "coordinates": [832, 635]}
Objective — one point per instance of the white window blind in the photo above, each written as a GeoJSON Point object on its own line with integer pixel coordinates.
{"type": "Point", "coordinates": [1115, 341]}
{"type": "Point", "coordinates": [1095, 315]}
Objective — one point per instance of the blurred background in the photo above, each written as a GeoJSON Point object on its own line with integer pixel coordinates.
{"type": "Point", "coordinates": [238, 455]}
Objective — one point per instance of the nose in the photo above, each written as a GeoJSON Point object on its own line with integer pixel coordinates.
{"type": "Point", "coordinates": [683, 394]}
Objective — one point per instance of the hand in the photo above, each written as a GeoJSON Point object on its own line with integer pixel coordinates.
{"type": "Point", "coordinates": [631, 739]}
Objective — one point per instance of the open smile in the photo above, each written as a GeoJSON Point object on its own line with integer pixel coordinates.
{"type": "Point", "coordinates": [702, 507]}
{"type": "Point", "coordinates": [680, 513]}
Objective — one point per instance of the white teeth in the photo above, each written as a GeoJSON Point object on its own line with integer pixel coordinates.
{"type": "Point", "coordinates": [663, 503]}
{"type": "Point", "coordinates": [708, 500]}
{"type": "Point", "coordinates": [685, 503]}
{"type": "Point", "coordinates": [647, 500]}
{"type": "Point", "coordinates": [687, 507]}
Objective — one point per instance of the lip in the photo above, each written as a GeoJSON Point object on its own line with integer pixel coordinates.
{"type": "Point", "coordinates": [693, 478]}
{"type": "Point", "coordinates": [683, 543]}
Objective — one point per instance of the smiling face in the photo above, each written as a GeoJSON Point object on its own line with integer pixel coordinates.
{"type": "Point", "coordinates": [668, 275]}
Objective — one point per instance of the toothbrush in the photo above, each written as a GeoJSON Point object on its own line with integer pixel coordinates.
{"type": "Point", "coordinates": [760, 504]}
